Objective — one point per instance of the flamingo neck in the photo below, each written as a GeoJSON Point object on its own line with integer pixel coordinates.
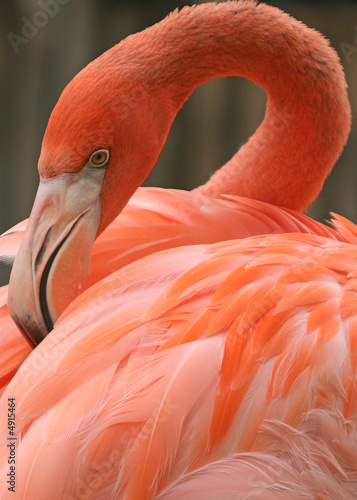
{"type": "Point", "coordinates": [307, 119]}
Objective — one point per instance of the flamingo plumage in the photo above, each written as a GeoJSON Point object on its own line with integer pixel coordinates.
{"type": "Point", "coordinates": [214, 357]}
{"type": "Point", "coordinates": [151, 222]}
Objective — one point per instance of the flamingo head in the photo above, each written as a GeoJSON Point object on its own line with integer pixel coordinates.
{"type": "Point", "coordinates": [102, 139]}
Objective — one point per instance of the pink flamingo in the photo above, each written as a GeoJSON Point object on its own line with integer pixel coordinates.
{"type": "Point", "coordinates": [218, 360]}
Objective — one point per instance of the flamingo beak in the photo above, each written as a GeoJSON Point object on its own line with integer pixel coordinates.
{"type": "Point", "coordinates": [52, 266]}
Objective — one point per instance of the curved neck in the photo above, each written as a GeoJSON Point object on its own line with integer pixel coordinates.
{"type": "Point", "coordinates": [307, 119]}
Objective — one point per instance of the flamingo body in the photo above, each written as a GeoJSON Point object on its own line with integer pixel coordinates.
{"type": "Point", "coordinates": [111, 122]}
{"type": "Point", "coordinates": [231, 338]}
{"type": "Point", "coordinates": [204, 344]}
{"type": "Point", "coordinates": [157, 219]}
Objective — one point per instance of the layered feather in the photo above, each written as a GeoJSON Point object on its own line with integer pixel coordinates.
{"type": "Point", "coordinates": [157, 219]}
{"type": "Point", "coordinates": [180, 359]}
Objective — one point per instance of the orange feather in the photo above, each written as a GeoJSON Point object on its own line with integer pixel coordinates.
{"type": "Point", "coordinates": [213, 351]}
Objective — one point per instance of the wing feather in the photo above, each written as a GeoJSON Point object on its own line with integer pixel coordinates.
{"type": "Point", "coordinates": [180, 359]}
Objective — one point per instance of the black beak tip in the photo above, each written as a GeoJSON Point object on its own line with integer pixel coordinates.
{"type": "Point", "coordinates": [32, 331]}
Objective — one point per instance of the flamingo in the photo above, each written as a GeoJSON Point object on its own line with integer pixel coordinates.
{"type": "Point", "coordinates": [213, 362]}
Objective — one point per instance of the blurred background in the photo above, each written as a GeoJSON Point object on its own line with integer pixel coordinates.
{"type": "Point", "coordinates": [217, 119]}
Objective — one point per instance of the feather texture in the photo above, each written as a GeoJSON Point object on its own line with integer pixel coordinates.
{"type": "Point", "coordinates": [214, 351]}
{"type": "Point", "coordinates": [217, 362]}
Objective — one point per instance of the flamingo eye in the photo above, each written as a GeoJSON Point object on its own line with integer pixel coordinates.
{"type": "Point", "coordinates": [99, 158]}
